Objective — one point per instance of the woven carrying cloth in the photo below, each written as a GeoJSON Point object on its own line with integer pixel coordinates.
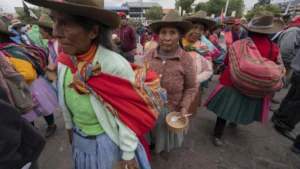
{"type": "Point", "coordinates": [252, 74]}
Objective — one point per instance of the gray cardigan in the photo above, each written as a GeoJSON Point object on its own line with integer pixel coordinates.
{"type": "Point", "coordinates": [296, 63]}
{"type": "Point", "coordinates": [289, 44]}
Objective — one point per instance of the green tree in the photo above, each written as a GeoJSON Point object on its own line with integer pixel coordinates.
{"type": "Point", "coordinates": [236, 5]}
{"type": "Point", "coordinates": [37, 11]}
{"type": "Point", "coordinates": [134, 22]}
{"type": "Point", "coordinates": [186, 5]}
{"type": "Point", "coordinates": [154, 13]}
{"type": "Point", "coordinates": [269, 7]}
{"type": "Point", "coordinates": [201, 6]}
{"type": "Point", "coordinates": [215, 7]}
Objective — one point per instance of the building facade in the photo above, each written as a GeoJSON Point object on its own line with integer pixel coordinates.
{"type": "Point", "coordinates": [135, 8]}
{"type": "Point", "coordinates": [118, 9]}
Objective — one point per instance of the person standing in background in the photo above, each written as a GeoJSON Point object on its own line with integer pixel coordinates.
{"type": "Point", "coordinates": [148, 36]}
{"type": "Point", "coordinates": [288, 43]}
{"type": "Point", "coordinates": [238, 29]}
{"type": "Point", "coordinates": [230, 35]}
{"type": "Point", "coordinates": [45, 28]}
{"type": "Point", "coordinates": [288, 115]}
{"type": "Point", "coordinates": [21, 36]}
{"type": "Point", "coordinates": [36, 37]}
{"type": "Point", "coordinates": [126, 34]}
{"type": "Point", "coordinates": [287, 19]}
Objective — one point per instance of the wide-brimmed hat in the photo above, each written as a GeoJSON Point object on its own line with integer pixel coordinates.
{"type": "Point", "coordinates": [219, 23]}
{"type": "Point", "coordinates": [172, 18]}
{"type": "Point", "coordinates": [264, 23]}
{"type": "Point", "coordinates": [230, 20]}
{"type": "Point", "coordinates": [4, 29]}
{"type": "Point", "coordinates": [44, 21]}
{"type": "Point", "coordinates": [92, 9]}
{"type": "Point", "coordinates": [201, 17]}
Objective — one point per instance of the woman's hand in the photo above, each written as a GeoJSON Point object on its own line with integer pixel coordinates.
{"type": "Point", "coordinates": [183, 111]}
{"type": "Point", "coordinates": [52, 67]}
{"type": "Point", "coordinates": [129, 164]}
{"type": "Point", "coordinates": [70, 134]}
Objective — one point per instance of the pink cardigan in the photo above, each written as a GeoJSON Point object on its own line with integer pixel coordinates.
{"type": "Point", "coordinates": [203, 67]}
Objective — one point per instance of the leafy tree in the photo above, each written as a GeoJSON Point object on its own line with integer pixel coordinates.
{"type": "Point", "coordinates": [215, 7]}
{"type": "Point", "coordinates": [236, 5]}
{"type": "Point", "coordinates": [154, 13]}
{"type": "Point", "coordinates": [134, 22]}
{"type": "Point", "coordinates": [271, 8]}
{"type": "Point", "coordinates": [37, 11]}
{"type": "Point", "coordinates": [201, 6]}
{"type": "Point", "coordinates": [185, 5]}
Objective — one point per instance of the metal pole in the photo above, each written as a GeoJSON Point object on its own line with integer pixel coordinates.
{"type": "Point", "coordinates": [288, 7]}
{"type": "Point", "coordinates": [226, 7]}
{"type": "Point", "coordinates": [142, 9]}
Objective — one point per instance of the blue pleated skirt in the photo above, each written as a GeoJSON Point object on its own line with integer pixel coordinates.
{"type": "Point", "coordinates": [101, 152]}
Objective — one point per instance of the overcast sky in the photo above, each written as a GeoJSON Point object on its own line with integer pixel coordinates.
{"type": "Point", "coordinates": [9, 5]}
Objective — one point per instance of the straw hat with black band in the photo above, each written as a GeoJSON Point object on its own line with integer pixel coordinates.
{"type": "Point", "coordinates": [200, 17]}
{"type": "Point", "coordinates": [4, 29]}
{"type": "Point", "coordinates": [264, 23]}
{"type": "Point", "coordinates": [44, 21]}
{"type": "Point", "coordinates": [172, 18]}
{"type": "Point", "coordinates": [92, 9]}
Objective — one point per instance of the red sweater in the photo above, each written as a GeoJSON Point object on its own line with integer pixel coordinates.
{"type": "Point", "coordinates": [263, 45]}
{"type": "Point", "coordinates": [127, 36]}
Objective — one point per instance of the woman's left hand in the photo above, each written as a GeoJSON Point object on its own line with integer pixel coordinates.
{"type": "Point", "coordinates": [130, 164]}
{"type": "Point", "coordinates": [183, 111]}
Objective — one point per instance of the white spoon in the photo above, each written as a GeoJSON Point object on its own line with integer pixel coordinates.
{"type": "Point", "coordinates": [175, 118]}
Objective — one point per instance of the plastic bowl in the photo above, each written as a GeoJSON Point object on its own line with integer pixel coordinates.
{"type": "Point", "coordinates": [178, 126]}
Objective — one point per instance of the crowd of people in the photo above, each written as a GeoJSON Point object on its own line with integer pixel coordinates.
{"type": "Point", "coordinates": [82, 65]}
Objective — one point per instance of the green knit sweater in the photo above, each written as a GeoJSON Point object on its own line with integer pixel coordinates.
{"type": "Point", "coordinates": [82, 110]}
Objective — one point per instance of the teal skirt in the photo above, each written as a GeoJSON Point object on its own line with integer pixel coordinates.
{"type": "Point", "coordinates": [231, 105]}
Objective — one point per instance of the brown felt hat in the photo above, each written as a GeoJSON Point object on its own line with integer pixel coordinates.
{"type": "Point", "coordinates": [264, 23]}
{"type": "Point", "coordinates": [92, 9]}
{"type": "Point", "coordinates": [172, 18]}
{"type": "Point", "coordinates": [4, 29]}
{"type": "Point", "coordinates": [200, 17]}
{"type": "Point", "coordinates": [44, 21]}
{"type": "Point", "coordinates": [230, 20]}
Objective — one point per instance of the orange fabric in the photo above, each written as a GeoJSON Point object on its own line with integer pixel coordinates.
{"type": "Point", "coordinates": [89, 56]}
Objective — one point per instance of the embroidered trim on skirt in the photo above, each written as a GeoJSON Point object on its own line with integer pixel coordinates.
{"type": "Point", "coordinates": [101, 152]}
{"type": "Point", "coordinates": [231, 105]}
{"type": "Point", "coordinates": [44, 97]}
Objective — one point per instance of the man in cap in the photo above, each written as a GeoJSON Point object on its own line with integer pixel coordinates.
{"type": "Point", "coordinates": [126, 35]}
{"type": "Point", "coordinates": [238, 29]}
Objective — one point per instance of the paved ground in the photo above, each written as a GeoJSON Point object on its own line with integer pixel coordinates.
{"type": "Point", "coordinates": [255, 146]}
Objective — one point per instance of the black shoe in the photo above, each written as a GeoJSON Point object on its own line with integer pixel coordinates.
{"type": "Point", "coordinates": [286, 133]}
{"type": "Point", "coordinates": [50, 131]}
{"type": "Point", "coordinates": [152, 146]}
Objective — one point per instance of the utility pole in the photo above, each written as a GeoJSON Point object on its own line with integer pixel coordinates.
{"type": "Point", "coordinates": [226, 7]}
{"type": "Point", "coordinates": [142, 10]}
{"type": "Point", "coordinates": [288, 7]}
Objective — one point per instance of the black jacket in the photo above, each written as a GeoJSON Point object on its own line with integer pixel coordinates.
{"type": "Point", "coordinates": [20, 142]}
